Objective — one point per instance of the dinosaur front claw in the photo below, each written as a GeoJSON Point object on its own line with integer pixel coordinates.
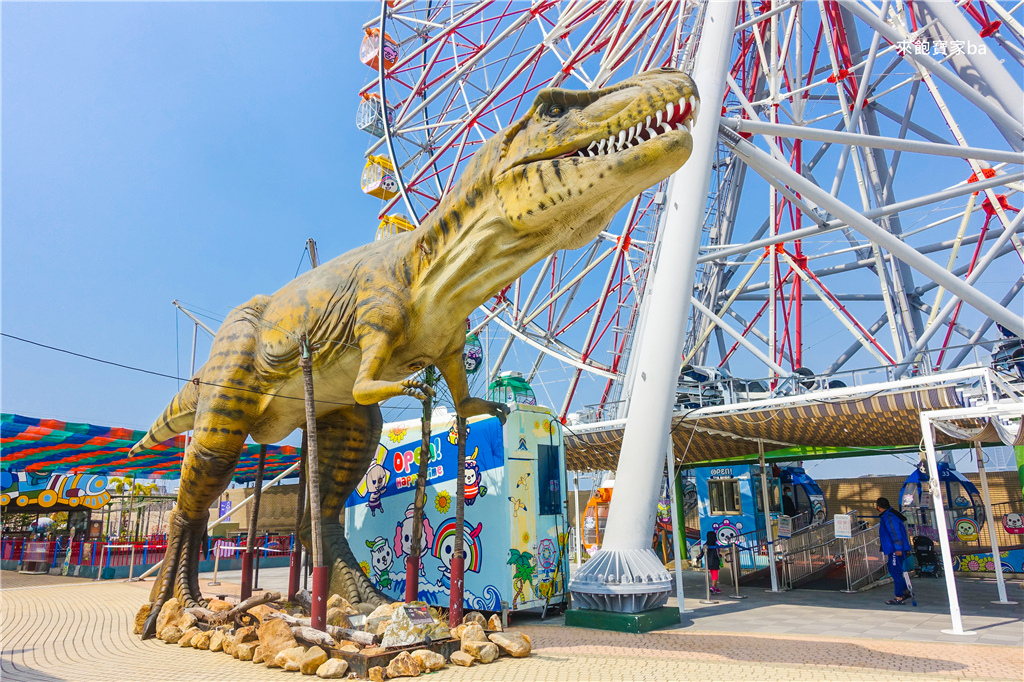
{"type": "Point", "coordinates": [416, 389]}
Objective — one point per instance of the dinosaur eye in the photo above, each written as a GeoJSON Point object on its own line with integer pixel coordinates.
{"type": "Point", "coordinates": [555, 110]}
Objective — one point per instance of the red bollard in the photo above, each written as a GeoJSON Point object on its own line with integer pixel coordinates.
{"type": "Point", "coordinates": [455, 600]}
{"type": "Point", "coordinates": [294, 568]}
{"type": "Point", "coordinates": [412, 579]}
{"type": "Point", "coordinates": [246, 575]}
{"type": "Point", "coordinates": [321, 580]}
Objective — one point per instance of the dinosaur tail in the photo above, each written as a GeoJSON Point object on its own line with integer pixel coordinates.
{"type": "Point", "coordinates": [178, 417]}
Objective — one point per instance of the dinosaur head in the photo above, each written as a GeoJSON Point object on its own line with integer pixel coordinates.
{"type": "Point", "coordinates": [577, 157]}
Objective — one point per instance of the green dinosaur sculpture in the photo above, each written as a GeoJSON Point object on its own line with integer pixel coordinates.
{"type": "Point", "coordinates": [379, 313]}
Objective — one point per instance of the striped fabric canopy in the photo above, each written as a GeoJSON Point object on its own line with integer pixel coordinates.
{"type": "Point", "coordinates": [42, 446]}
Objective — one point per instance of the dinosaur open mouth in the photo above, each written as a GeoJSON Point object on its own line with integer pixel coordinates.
{"type": "Point", "coordinates": [679, 115]}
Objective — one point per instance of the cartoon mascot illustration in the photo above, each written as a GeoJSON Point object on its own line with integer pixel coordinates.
{"type": "Point", "coordinates": [403, 536]}
{"type": "Point", "coordinates": [474, 488]}
{"type": "Point", "coordinates": [444, 549]}
{"type": "Point", "coordinates": [375, 482]}
{"type": "Point", "coordinates": [382, 559]}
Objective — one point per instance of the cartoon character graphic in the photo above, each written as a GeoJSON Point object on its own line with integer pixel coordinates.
{"type": "Point", "coordinates": [382, 559]}
{"type": "Point", "coordinates": [453, 436]}
{"type": "Point", "coordinates": [966, 529]}
{"type": "Point", "coordinates": [517, 506]}
{"type": "Point", "coordinates": [375, 482]}
{"type": "Point", "coordinates": [961, 501]}
{"type": "Point", "coordinates": [472, 475]}
{"type": "Point", "coordinates": [403, 536]}
{"type": "Point", "coordinates": [727, 532]}
{"type": "Point", "coordinates": [1013, 523]}
{"type": "Point", "coordinates": [444, 549]}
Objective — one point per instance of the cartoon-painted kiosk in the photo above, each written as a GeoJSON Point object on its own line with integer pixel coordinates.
{"type": "Point", "coordinates": [515, 524]}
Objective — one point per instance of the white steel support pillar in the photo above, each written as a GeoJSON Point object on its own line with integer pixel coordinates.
{"type": "Point", "coordinates": [990, 522]}
{"type": "Point", "coordinates": [678, 534]}
{"type": "Point", "coordinates": [626, 575]}
{"type": "Point", "coordinates": [769, 530]}
{"type": "Point", "coordinates": [941, 527]}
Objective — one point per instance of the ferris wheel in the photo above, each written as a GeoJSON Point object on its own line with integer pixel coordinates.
{"type": "Point", "coordinates": [907, 113]}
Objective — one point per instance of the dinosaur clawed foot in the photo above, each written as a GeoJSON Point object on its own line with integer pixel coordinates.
{"type": "Point", "coordinates": [347, 578]}
{"type": "Point", "coordinates": [179, 575]}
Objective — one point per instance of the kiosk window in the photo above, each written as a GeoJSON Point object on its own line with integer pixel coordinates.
{"type": "Point", "coordinates": [725, 497]}
{"type": "Point", "coordinates": [549, 492]}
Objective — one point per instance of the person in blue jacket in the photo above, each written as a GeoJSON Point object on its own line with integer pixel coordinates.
{"type": "Point", "coordinates": [892, 535]}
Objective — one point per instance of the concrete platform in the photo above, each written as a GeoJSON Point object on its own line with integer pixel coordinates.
{"type": "Point", "coordinates": [69, 630]}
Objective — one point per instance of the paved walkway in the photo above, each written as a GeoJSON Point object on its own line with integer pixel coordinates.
{"type": "Point", "coordinates": [65, 629]}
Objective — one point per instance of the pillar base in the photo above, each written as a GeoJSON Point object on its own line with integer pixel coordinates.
{"type": "Point", "coordinates": [623, 581]}
{"type": "Point", "coordinates": [645, 621]}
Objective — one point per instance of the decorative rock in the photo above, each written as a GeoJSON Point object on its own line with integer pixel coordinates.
{"type": "Point", "coordinates": [364, 608]}
{"type": "Point", "coordinates": [188, 636]}
{"type": "Point", "coordinates": [475, 617]}
{"type": "Point", "coordinates": [170, 613]}
{"type": "Point", "coordinates": [246, 651]}
{"type": "Point", "coordinates": [400, 631]}
{"type": "Point", "coordinates": [257, 655]}
{"type": "Point", "coordinates": [289, 658]}
{"type": "Point", "coordinates": [382, 610]}
{"type": "Point", "coordinates": [342, 643]}
{"type": "Point", "coordinates": [217, 605]}
{"type": "Point", "coordinates": [526, 637]}
{"type": "Point", "coordinates": [275, 636]}
{"type": "Point", "coordinates": [337, 616]}
{"type": "Point", "coordinates": [511, 643]}
{"type": "Point", "coordinates": [230, 642]}
{"type": "Point", "coordinates": [202, 640]}
{"type": "Point", "coordinates": [217, 640]}
{"type": "Point", "coordinates": [338, 602]}
{"type": "Point", "coordinates": [246, 634]}
{"type": "Point", "coordinates": [262, 611]}
{"type": "Point", "coordinates": [428, 660]}
{"type": "Point", "coordinates": [349, 648]}
{"type": "Point", "coordinates": [473, 633]}
{"type": "Point", "coordinates": [382, 627]}
{"type": "Point", "coordinates": [404, 665]}
{"type": "Point", "coordinates": [187, 621]}
{"type": "Point", "coordinates": [171, 634]}
{"type": "Point", "coordinates": [332, 669]}
{"type": "Point", "coordinates": [140, 618]}
{"type": "Point", "coordinates": [494, 624]}
{"type": "Point", "coordinates": [461, 658]}
{"type": "Point", "coordinates": [457, 632]}
{"type": "Point", "coordinates": [485, 652]}
{"type": "Point", "coordinates": [374, 651]}
{"type": "Point", "coordinates": [376, 674]}
{"type": "Point", "coordinates": [311, 660]}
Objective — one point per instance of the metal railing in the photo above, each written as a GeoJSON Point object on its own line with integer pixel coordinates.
{"type": "Point", "coordinates": [863, 559]}
{"type": "Point", "coordinates": [966, 539]}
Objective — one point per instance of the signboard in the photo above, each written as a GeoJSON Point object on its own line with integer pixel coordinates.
{"type": "Point", "coordinates": [225, 507]}
{"type": "Point", "coordinates": [843, 525]}
{"type": "Point", "coordinates": [785, 527]}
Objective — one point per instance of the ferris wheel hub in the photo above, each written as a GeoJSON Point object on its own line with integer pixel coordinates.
{"type": "Point", "coordinates": [622, 580]}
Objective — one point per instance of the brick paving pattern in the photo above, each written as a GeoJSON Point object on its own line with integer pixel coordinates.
{"type": "Point", "coordinates": [65, 629]}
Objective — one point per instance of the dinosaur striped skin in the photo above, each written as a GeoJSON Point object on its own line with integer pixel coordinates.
{"type": "Point", "coordinates": [383, 311]}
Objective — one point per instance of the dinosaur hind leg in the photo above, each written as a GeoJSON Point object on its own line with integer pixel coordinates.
{"type": "Point", "coordinates": [347, 440]}
{"type": "Point", "coordinates": [210, 459]}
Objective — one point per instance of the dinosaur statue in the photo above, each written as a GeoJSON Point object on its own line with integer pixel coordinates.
{"type": "Point", "coordinates": [381, 312]}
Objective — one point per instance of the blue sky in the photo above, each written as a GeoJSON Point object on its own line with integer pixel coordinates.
{"type": "Point", "coordinates": [158, 151]}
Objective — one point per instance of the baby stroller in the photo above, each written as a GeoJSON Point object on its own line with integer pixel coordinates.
{"type": "Point", "coordinates": [927, 561]}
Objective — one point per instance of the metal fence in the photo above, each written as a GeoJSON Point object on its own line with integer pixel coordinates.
{"type": "Point", "coordinates": [863, 558]}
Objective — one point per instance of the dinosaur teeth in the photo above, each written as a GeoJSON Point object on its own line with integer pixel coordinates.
{"type": "Point", "coordinates": [671, 109]}
{"type": "Point", "coordinates": [694, 106]}
{"type": "Point", "coordinates": [622, 137]}
{"type": "Point", "coordinates": [666, 128]}
{"type": "Point", "coordinates": [651, 133]}
{"type": "Point", "coordinates": [657, 117]}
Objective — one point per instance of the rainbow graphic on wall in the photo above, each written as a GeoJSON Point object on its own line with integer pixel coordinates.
{"type": "Point", "coordinates": [445, 538]}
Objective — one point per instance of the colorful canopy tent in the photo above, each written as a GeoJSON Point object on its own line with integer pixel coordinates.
{"type": "Point", "coordinates": [41, 446]}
